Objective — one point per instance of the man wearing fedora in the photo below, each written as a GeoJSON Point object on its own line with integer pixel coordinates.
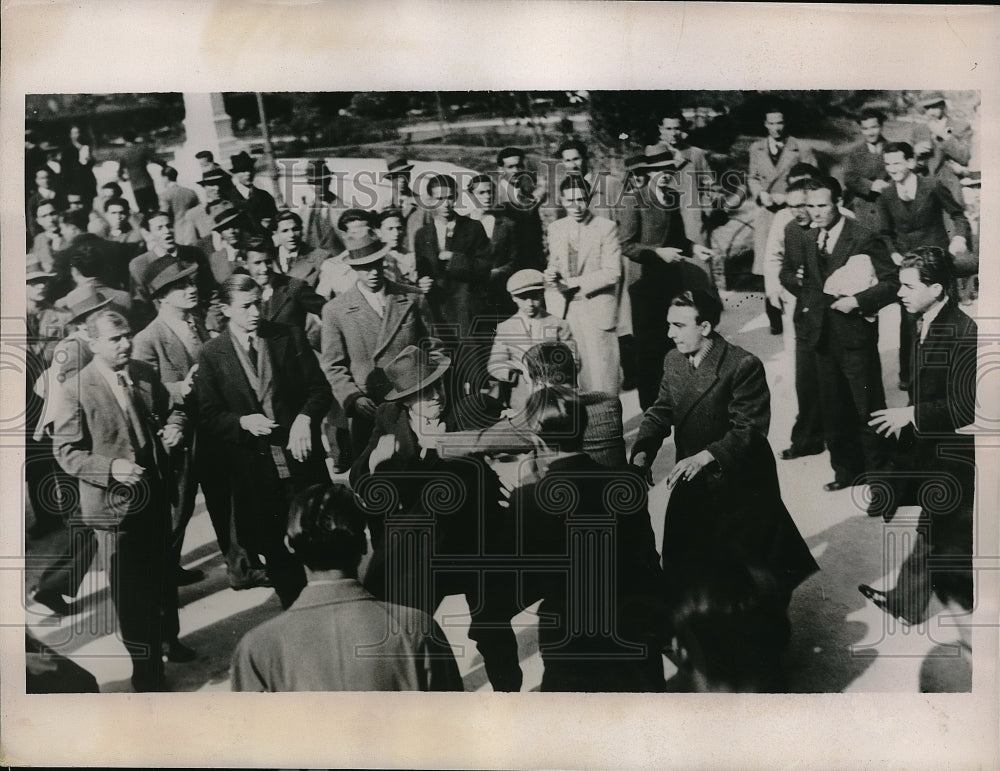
{"type": "Point", "coordinates": [231, 225]}
{"type": "Point", "coordinates": [445, 516]}
{"type": "Point", "coordinates": [258, 204]}
{"type": "Point", "coordinates": [653, 237]}
{"type": "Point", "coordinates": [112, 433]}
{"type": "Point", "coordinates": [335, 275]}
{"type": "Point", "coordinates": [363, 330]}
{"type": "Point", "coordinates": [262, 395]}
{"type": "Point", "coordinates": [213, 183]}
{"type": "Point", "coordinates": [402, 198]}
{"type": "Point", "coordinates": [171, 344]}
{"type": "Point", "coordinates": [319, 216]}
{"type": "Point", "coordinates": [158, 231]}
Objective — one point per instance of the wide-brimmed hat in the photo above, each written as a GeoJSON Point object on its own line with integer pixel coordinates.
{"type": "Point", "coordinates": [365, 251]}
{"type": "Point", "coordinates": [165, 271]}
{"type": "Point", "coordinates": [242, 162]}
{"type": "Point", "coordinates": [87, 305]}
{"type": "Point", "coordinates": [414, 369]}
{"type": "Point", "coordinates": [215, 177]}
{"type": "Point", "coordinates": [399, 166]}
{"type": "Point", "coordinates": [226, 218]}
{"type": "Point", "coordinates": [33, 269]}
{"type": "Point", "coordinates": [663, 162]}
{"type": "Point", "coordinates": [527, 280]}
{"type": "Point", "coordinates": [931, 98]}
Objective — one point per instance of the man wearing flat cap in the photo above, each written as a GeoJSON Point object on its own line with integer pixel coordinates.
{"type": "Point", "coordinates": [258, 204]}
{"type": "Point", "coordinates": [364, 328]}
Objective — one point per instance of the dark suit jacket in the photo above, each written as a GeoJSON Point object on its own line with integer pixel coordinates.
{"type": "Point", "coordinates": [259, 206]}
{"type": "Point", "coordinates": [861, 168]}
{"type": "Point", "coordinates": [458, 295]}
{"type": "Point", "coordinates": [307, 266]}
{"type": "Point", "coordinates": [357, 344]}
{"type": "Point", "coordinates": [906, 225]}
{"type": "Point", "coordinates": [733, 506]}
{"type": "Point", "coordinates": [291, 300]}
{"type": "Point", "coordinates": [92, 430]}
{"type": "Point", "coordinates": [817, 319]}
{"type": "Point", "coordinates": [505, 261]}
{"type": "Point", "coordinates": [647, 225]}
{"type": "Point", "coordinates": [221, 267]}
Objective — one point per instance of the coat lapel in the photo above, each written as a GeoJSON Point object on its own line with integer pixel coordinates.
{"type": "Point", "coordinates": [231, 363]}
{"type": "Point", "coordinates": [280, 295]}
{"type": "Point", "coordinates": [397, 304]}
{"type": "Point", "coordinates": [691, 386]}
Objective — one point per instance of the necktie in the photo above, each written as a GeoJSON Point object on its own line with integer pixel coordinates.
{"type": "Point", "coordinates": [132, 413]}
{"type": "Point", "coordinates": [252, 354]}
{"type": "Point", "coordinates": [824, 236]}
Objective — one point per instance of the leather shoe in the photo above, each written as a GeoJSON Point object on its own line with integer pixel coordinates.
{"type": "Point", "coordinates": [832, 487]}
{"type": "Point", "coordinates": [178, 653]}
{"type": "Point", "coordinates": [794, 452]}
{"type": "Point", "coordinates": [252, 578]}
{"type": "Point", "coordinates": [53, 601]}
{"type": "Point", "coordinates": [187, 577]}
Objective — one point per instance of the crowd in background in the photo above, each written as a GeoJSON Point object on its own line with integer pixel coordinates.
{"type": "Point", "coordinates": [217, 341]}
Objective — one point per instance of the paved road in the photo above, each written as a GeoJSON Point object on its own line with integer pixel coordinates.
{"type": "Point", "coordinates": [840, 642]}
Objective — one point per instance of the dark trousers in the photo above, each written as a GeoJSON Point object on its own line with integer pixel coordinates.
{"type": "Point", "coordinates": [65, 575]}
{"type": "Point", "coordinates": [907, 334]}
{"type": "Point", "coordinates": [850, 389]}
{"type": "Point", "coordinates": [361, 433]}
{"type": "Point", "coordinates": [628, 358]}
{"type": "Point", "coordinates": [939, 564]}
{"type": "Point", "coordinates": [146, 198]}
{"type": "Point", "coordinates": [649, 325]}
{"type": "Point", "coordinates": [807, 432]}
{"type": "Point", "coordinates": [52, 493]}
{"type": "Point", "coordinates": [774, 317]}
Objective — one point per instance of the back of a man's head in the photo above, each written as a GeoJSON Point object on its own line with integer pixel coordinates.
{"type": "Point", "coordinates": [551, 363]}
{"type": "Point", "coordinates": [326, 529]}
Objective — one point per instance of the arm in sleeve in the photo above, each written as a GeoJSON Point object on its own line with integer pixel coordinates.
{"type": "Point", "coordinates": [855, 181]}
{"type": "Point", "coordinates": [873, 299]}
{"type": "Point", "coordinates": [886, 224]}
{"type": "Point", "coordinates": [754, 174]}
{"type": "Point", "coordinates": [955, 210]}
{"type": "Point", "coordinates": [610, 271]}
{"type": "Point", "coordinates": [957, 407]}
{"type": "Point", "coordinates": [214, 414]}
{"type": "Point", "coordinates": [319, 397]}
{"type": "Point", "coordinates": [335, 361]}
{"type": "Point", "coordinates": [74, 446]}
{"type": "Point", "coordinates": [307, 299]}
{"type": "Point", "coordinates": [774, 254]}
{"type": "Point", "coordinates": [749, 414]}
{"type": "Point", "coordinates": [472, 263]}
{"type": "Point", "coordinates": [791, 261]}
{"type": "Point", "coordinates": [956, 146]}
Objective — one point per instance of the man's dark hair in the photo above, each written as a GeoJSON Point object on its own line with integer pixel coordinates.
{"type": "Point", "coordinates": [509, 152]}
{"type": "Point", "coordinates": [551, 363]}
{"type": "Point", "coordinates": [800, 184]}
{"type": "Point", "coordinates": [238, 282]}
{"type": "Point", "coordinates": [170, 173]}
{"type": "Point", "coordinates": [326, 528]}
{"type": "Point", "coordinates": [558, 417]}
{"type": "Point", "coordinates": [826, 183]}
{"type": "Point", "coordinates": [123, 202]}
{"type": "Point", "coordinates": [802, 170]}
{"type": "Point", "coordinates": [259, 244]}
{"type": "Point", "coordinates": [44, 202]}
{"type": "Point", "coordinates": [898, 147]}
{"type": "Point", "coordinates": [286, 216]}
{"type": "Point", "coordinates": [774, 108]}
{"type": "Point", "coordinates": [353, 215]}
{"type": "Point", "coordinates": [480, 179]}
{"type": "Point", "coordinates": [149, 216]}
{"type": "Point", "coordinates": [87, 260]}
{"type": "Point", "coordinates": [388, 214]}
{"type": "Point", "coordinates": [114, 187]}
{"type": "Point", "coordinates": [205, 155]}
{"type": "Point", "coordinates": [78, 219]}
{"type": "Point", "coordinates": [706, 303]}
{"type": "Point", "coordinates": [573, 144]}
{"type": "Point", "coordinates": [934, 266]}
{"type": "Point", "coordinates": [442, 180]}
{"type": "Point", "coordinates": [869, 113]}
{"type": "Point", "coordinates": [673, 113]}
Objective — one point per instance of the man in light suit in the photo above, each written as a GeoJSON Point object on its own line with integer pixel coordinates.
{"type": "Point", "coordinates": [262, 395]}
{"type": "Point", "coordinates": [770, 160]}
{"type": "Point", "coordinates": [843, 332]}
{"type": "Point", "coordinates": [112, 435]}
{"type": "Point", "coordinates": [315, 646]}
{"type": "Point", "coordinates": [363, 330]}
{"type": "Point", "coordinates": [585, 268]}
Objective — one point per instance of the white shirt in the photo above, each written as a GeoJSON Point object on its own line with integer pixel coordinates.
{"type": "Point", "coordinates": [375, 299]}
{"type": "Point", "coordinates": [116, 387]}
{"type": "Point", "coordinates": [444, 229]}
{"type": "Point", "coordinates": [907, 191]}
{"type": "Point", "coordinates": [488, 222]}
{"type": "Point", "coordinates": [775, 146]}
{"type": "Point", "coordinates": [832, 235]}
{"type": "Point", "coordinates": [929, 315]}
{"type": "Point", "coordinates": [286, 258]}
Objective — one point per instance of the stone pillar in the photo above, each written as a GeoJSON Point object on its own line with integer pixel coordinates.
{"type": "Point", "coordinates": [208, 127]}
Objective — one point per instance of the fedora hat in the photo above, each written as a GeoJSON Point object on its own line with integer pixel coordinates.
{"type": "Point", "coordinates": [165, 271]}
{"type": "Point", "coordinates": [242, 162]}
{"type": "Point", "coordinates": [92, 302]}
{"type": "Point", "coordinates": [931, 98]}
{"type": "Point", "coordinates": [365, 251]}
{"type": "Point", "coordinates": [400, 166]}
{"type": "Point", "coordinates": [414, 369]}
{"type": "Point", "coordinates": [33, 270]}
{"type": "Point", "coordinates": [226, 218]}
{"type": "Point", "coordinates": [213, 177]}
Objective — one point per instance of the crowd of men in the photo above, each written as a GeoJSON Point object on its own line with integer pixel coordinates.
{"type": "Point", "coordinates": [221, 343]}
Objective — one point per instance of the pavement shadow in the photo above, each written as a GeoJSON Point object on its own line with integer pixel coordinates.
{"type": "Point", "coordinates": [820, 657]}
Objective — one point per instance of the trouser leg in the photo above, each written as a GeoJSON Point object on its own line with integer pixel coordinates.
{"type": "Point", "coordinates": [807, 432]}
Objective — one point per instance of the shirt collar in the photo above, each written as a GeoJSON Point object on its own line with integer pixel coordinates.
{"type": "Point", "coordinates": [697, 358]}
{"type": "Point", "coordinates": [111, 375]}
{"type": "Point", "coordinates": [908, 187]}
{"type": "Point", "coordinates": [832, 234]}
